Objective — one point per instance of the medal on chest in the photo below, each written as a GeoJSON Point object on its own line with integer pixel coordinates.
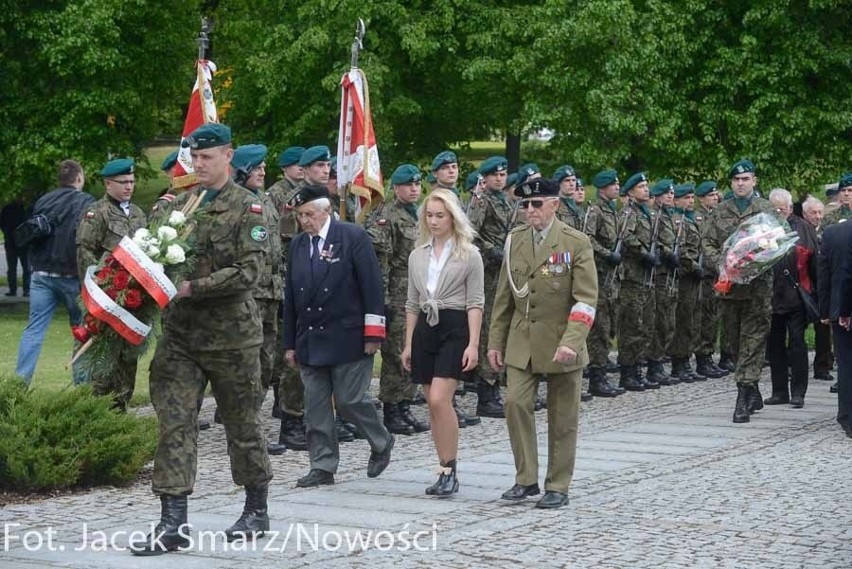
{"type": "Point", "coordinates": [557, 264]}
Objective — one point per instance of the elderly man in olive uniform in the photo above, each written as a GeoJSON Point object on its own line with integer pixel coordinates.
{"type": "Point", "coordinates": [603, 227]}
{"type": "Point", "coordinates": [249, 171]}
{"type": "Point", "coordinates": [746, 308]}
{"type": "Point", "coordinates": [636, 302]}
{"type": "Point", "coordinates": [707, 311]}
{"type": "Point", "coordinates": [288, 390]}
{"type": "Point", "coordinates": [684, 282]}
{"type": "Point", "coordinates": [491, 217]}
{"type": "Point", "coordinates": [212, 332]}
{"type": "Point", "coordinates": [100, 230]}
{"type": "Point", "coordinates": [542, 314]}
{"type": "Point", "coordinates": [394, 231]}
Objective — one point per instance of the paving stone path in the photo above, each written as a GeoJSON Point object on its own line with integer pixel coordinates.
{"type": "Point", "coordinates": [663, 479]}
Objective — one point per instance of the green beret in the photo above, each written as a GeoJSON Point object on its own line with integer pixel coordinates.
{"type": "Point", "coordinates": [471, 180]}
{"type": "Point", "coordinates": [683, 190]}
{"type": "Point", "coordinates": [564, 172]}
{"type": "Point", "coordinates": [632, 182]}
{"type": "Point", "coordinates": [405, 174]}
{"type": "Point", "coordinates": [308, 193]}
{"type": "Point", "coordinates": [537, 188]}
{"type": "Point", "coordinates": [663, 186]}
{"type": "Point", "coordinates": [248, 157]}
{"type": "Point", "coordinates": [290, 156]}
{"type": "Point", "coordinates": [845, 181]}
{"type": "Point", "coordinates": [431, 178]}
{"type": "Point", "coordinates": [580, 183]}
{"type": "Point", "coordinates": [512, 179]}
{"type": "Point", "coordinates": [315, 154]}
{"type": "Point", "coordinates": [208, 135]}
{"type": "Point", "coordinates": [743, 166]}
{"type": "Point", "coordinates": [605, 178]}
{"type": "Point", "coordinates": [705, 188]}
{"type": "Point", "coordinates": [493, 165]}
{"type": "Point", "coordinates": [118, 167]}
{"type": "Point", "coordinates": [169, 161]}
{"type": "Point", "coordinates": [445, 157]}
{"type": "Point", "coordinates": [332, 167]}
{"type": "Point", "coordinates": [527, 170]}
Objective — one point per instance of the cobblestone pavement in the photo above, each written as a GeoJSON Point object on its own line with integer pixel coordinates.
{"type": "Point", "coordinates": [663, 479]}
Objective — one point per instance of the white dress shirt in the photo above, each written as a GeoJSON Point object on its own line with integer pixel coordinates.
{"type": "Point", "coordinates": [436, 265]}
{"type": "Point", "coordinates": [323, 233]}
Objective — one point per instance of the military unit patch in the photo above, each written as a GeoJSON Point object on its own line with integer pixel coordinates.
{"type": "Point", "coordinates": [259, 233]}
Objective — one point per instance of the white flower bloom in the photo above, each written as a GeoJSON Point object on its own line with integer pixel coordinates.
{"type": "Point", "coordinates": [177, 219]}
{"type": "Point", "coordinates": [141, 242]}
{"type": "Point", "coordinates": [152, 251]}
{"type": "Point", "coordinates": [166, 233]}
{"type": "Point", "coordinates": [141, 234]}
{"type": "Point", "coordinates": [175, 255]}
{"type": "Point", "coordinates": [154, 242]}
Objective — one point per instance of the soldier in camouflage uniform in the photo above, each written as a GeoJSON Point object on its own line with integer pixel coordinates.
{"type": "Point", "coordinates": [707, 311]}
{"type": "Point", "coordinates": [844, 211]}
{"type": "Point", "coordinates": [393, 230]}
{"type": "Point", "coordinates": [603, 226]}
{"type": "Point", "coordinates": [746, 308]}
{"type": "Point", "coordinates": [249, 171]}
{"type": "Point", "coordinates": [212, 332]}
{"type": "Point", "coordinates": [684, 281]}
{"type": "Point", "coordinates": [636, 301]}
{"type": "Point", "coordinates": [289, 403]}
{"type": "Point", "coordinates": [103, 225]}
{"type": "Point", "coordinates": [445, 170]}
{"type": "Point", "coordinates": [491, 217]}
{"type": "Point", "coordinates": [570, 210]}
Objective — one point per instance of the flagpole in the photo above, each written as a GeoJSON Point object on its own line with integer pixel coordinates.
{"type": "Point", "coordinates": [357, 46]}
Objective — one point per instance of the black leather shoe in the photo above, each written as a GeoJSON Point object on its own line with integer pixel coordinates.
{"type": "Point", "coordinates": [171, 534]}
{"type": "Point", "coordinates": [777, 399]}
{"type": "Point", "coordinates": [552, 499]}
{"type": "Point", "coordinates": [824, 375]}
{"type": "Point", "coordinates": [797, 402]}
{"type": "Point", "coordinates": [519, 492]}
{"type": "Point", "coordinates": [314, 478]}
{"type": "Point", "coordinates": [833, 388]}
{"type": "Point", "coordinates": [254, 521]}
{"type": "Point", "coordinates": [448, 482]}
{"type": "Point", "coordinates": [380, 460]}
{"type": "Point", "coordinates": [275, 449]}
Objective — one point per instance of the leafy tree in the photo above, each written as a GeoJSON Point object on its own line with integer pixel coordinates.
{"type": "Point", "coordinates": [86, 79]}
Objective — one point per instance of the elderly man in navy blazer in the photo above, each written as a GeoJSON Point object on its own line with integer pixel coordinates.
{"type": "Point", "coordinates": [834, 292]}
{"type": "Point", "coordinates": [333, 324]}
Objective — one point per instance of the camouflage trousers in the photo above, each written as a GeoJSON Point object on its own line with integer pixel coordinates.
{"type": "Point", "coordinates": [706, 320]}
{"type": "Point", "coordinates": [483, 369]}
{"type": "Point", "coordinates": [746, 324]}
{"type": "Point", "coordinates": [287, 381]}
{"type": "Point", "coordinates": [121, 383]}
{"type": "Point", "coordinates": [395, 383]}
{"type": "Point", "coordinates": [685, 331]}
{"type": "Point", "coordinates": [270, 313]}
{"type": "Point", "coordinates": [599, 341]}
{"type": "Point", "coordinates": [662, 329]}
{"type": "Point", "coordinates": [635, 321]}
{"type": "Point", "coordinates": [179, 375]}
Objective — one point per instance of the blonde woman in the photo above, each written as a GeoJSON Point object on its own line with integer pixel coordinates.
{"type": "Point", "coordinates": [443, 319]}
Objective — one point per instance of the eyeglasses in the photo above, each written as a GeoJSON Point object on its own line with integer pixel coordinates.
{"type": "Point", "coordinates": [525, 204]}
{"type": "Point", "coordinates": [123, 182]}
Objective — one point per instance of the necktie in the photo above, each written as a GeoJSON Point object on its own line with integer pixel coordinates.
{"type": "Point", "coordinates": [537, 239]}
{"type": "Point", "coordinates": [315, 254]}
{"type": "Point", "coordinates": [125, 207]}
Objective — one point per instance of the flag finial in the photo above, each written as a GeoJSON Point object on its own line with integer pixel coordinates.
{"type": "Point", "coordinates": [358, 42]}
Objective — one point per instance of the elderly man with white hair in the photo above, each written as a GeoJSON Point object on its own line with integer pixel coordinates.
{"type": "Point", "coordinates": [813, 211]}
{"type": "Point", "coordinates": [786, 341]}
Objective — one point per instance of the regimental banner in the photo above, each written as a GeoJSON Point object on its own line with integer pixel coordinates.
{"type": "Point", "coordinates": [202, 110]}
{"type": "Point", "coordinates": [357, 152]}
{"type": "Point", "coordinates": [107, 310]}
{"type": "Point", "coordinates": [146, 272]}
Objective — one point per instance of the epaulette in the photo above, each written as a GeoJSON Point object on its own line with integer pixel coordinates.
{"type": "Point", "coordinates": [519, 228]}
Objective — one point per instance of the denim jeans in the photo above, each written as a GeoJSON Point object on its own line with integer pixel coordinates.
{"type": "Point", "coordinates": [45, 294]}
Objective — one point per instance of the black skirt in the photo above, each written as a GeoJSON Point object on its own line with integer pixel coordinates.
{"type": "Point", "coordinates": [437, 351]}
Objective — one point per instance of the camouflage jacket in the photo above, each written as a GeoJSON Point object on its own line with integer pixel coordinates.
{"type": "Point", "coordinates": [602, 227]}
{"type": "Point", "coordinates": [394, 233]}
{"type": "Point", "coordinates": [637, 243]}
{"type": "Point", "coordinates": [688, 239]}
{"type": "Point", "coordinates": [280, 193]}
{"type": "Point", "coordinates": [490, 217]}
{"type": "Point", "coordinates": [270, 286]}
{"type": "Point", "coordinates": [836, 215]}
{"type": "Point", "coordinates": [571, 214]}
{"type": "Point", "coordinates": [101, 228]}
{"type": "Point", "coordinates": [665, 237]}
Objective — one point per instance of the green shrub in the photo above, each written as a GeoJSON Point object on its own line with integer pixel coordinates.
{"type": "Point", "coordinates": [68, 438]}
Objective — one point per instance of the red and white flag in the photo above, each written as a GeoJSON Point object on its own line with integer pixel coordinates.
{"type": "Point", "coordinates": [107, 310]}
{"type": "Point", "coordinates": [202, 110]}
{"type": "Point", "coordinates": [357, 153]}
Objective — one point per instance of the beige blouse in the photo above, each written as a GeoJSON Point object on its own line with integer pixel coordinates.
{"type": "Point", "coordinates": [461, 284]}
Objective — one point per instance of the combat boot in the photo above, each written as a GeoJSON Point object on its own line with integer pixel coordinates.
{"type": "Point", "coordinates": [726, 362]}
{"type": "Point", "coordinates": [677, 369]}
{"type": "Point", "coordinates": [463, 418]}
{"type": "Point", "coordinates": [611, 366]}
{"type": "Point", "coordinates": [598, 384]}
{"type": "Point", "coordinates": [254, 521]}
{"type": "Point", "coordinates": [277, 413]}
{"type": "Point", "coordinates": [741, 414]}
{"type": "Point", "coordinates": [755, 399]}
{"type": "Point", "coordinates": [704, 366]}
{"type": "Point", "coordinates": [489, 403]}
{"type": "Point", "coordinates": [689, 372]}
{"type": "Point", "coordinates": [292, 433]}
{"type": "Point", "coordinates": [628, 379]}
{"type": "Point", "coordinates": [657, 375]}
{"type": "Point", "coordinates": [171, 534]}
{"type": "Point", "coordinates": [407, 416]}
{"type": "Point", "coordinates": [394, 422]}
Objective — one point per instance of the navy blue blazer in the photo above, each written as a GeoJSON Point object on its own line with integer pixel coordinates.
{"type": "Point", "coordinates": [831, 269]}
{"type": "Point", "coordinates": [329, 316]}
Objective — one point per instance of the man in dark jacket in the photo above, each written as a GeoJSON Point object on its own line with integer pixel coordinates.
{"type": "Point", "coordinates": [11, 216]}
{"type": "Point", "coordinates": [786, 340]}
{"type": "Point", "coordinates": [54, 265]}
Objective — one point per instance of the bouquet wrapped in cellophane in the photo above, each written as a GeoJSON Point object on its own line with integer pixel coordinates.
{"type": "Point", "coordinates": [758, 243]}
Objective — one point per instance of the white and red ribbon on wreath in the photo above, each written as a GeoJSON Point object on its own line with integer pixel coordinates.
{"type": "Point", "coordinates": [107, 310]}
{"type": "Point", "coordinates": [146, 272]}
